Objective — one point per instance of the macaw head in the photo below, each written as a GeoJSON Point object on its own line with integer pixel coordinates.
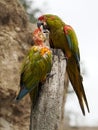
{"type": "Point", "coordinates": [42, 21]}
{"type": "Point", "coordinates": [48, 21]}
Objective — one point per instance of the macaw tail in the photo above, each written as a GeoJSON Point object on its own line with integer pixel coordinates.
{"type": "Point", "coordinates": [23, 91]}
{"type": "Point", "coordinates": [34, 94]}
{"type": "Point", "coordinates": [76, 81]}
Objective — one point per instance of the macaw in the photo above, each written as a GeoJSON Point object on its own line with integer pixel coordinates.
{"type": "Point", "coordinates": [62, 36]}
{"type": "Point", "coordinates": [35, 68]}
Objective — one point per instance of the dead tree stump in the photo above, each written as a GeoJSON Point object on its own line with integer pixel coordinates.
{"type": "Point", "coordinates": [49, 112]}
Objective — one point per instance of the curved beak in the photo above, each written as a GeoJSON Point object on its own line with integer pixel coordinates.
{"type": "Point", "coordinates": [39, 24]}
{"type": "Point", "coordinates": [43, 25]}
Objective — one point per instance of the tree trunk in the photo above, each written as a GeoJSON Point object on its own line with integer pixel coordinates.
{"type": "Point", "coordinates": [49, 112]}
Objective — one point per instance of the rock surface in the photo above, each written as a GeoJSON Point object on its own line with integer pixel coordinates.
{"type": "Point", "coordinates": [15, 40]}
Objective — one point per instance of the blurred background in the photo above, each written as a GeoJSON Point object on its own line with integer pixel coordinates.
{"type": "Point", "coordinates": [82, 16]}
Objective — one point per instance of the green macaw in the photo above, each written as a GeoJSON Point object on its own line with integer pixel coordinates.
{"type": "Point", "coordinates": [35, 68]}
{"type": "Point", "coordinates": [62, 36]}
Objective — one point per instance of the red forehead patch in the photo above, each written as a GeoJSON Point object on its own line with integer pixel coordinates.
{"type": "Point", "coordinates": [41, 18]}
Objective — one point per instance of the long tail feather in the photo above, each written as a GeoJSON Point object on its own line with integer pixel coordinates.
{"type": "Point", "coordinates": [34, 94]}
{"type": "Point", "coordinates": [23, 91]}
{"type": "Point", "coordinates": [76, 81]}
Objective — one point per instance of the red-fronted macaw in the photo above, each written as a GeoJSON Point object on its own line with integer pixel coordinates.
{"type": "Point", "coordinates": [35, 68]}
{"type": "Point", "coordinates": [62, 36]}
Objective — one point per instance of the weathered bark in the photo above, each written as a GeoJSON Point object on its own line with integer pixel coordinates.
{"type": "Point", "coordinates": [49, 112]}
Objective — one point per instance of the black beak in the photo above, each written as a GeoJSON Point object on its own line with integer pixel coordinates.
{"type": "Point", "coordinates": [43, 24]}
{"type": "Point", "coordinates": [39, 24]}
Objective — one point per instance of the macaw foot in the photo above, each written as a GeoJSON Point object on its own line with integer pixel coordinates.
{"type": "Point", "coordinates": [50, 76]}
{"type": "Point", "coordinates": [65, 58]}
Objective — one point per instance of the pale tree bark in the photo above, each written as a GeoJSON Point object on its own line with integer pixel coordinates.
{"type": "Point", "coordinates": [49, 111]}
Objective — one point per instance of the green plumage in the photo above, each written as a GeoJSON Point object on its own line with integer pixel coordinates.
{"type": "Point", "coordinates": [35, 68]}
{"type": "Point", "coordinates": [62, 36]}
